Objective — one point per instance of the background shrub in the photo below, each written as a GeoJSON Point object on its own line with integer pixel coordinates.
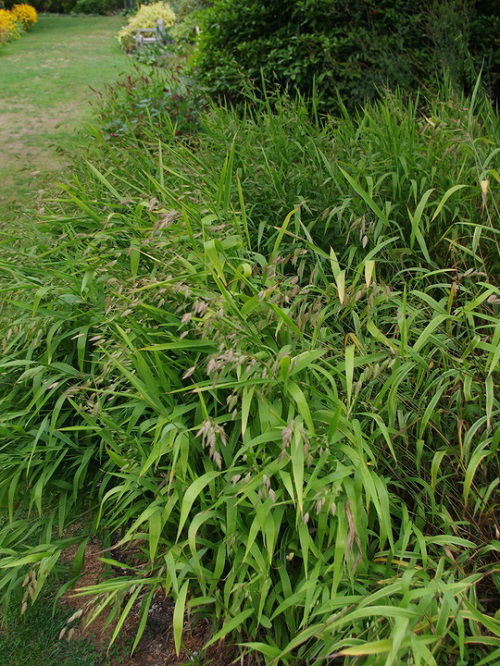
{"type": "Point", "coordinates": [172, 102]}
{"type": "Point", "coordinates": [25, 14]}
{"type": "Point", "coordinates": [11, 27]}
{"type": "Point", "coordinates": [96, 6]}
{"type": "Point", "coordinates": [146, 17]}
{"type": "Point", "coordinates": [352, 46]}
{"type": "Point", "coordinates": [186, 31]}
{"type": "Point", "coordinates": [183, 8]}
{"type": "Point", "coordinates": [484, 42]}
{"type": "Point", "coordinates": [78, 6]}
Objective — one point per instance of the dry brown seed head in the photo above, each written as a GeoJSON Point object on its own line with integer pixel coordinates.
{"type": "Point", "coordinates": [231, 400]}
{"type": "Point", "coordinates": [200, 307]}
{"type": "Point", "coordinates": [212, 365]}
{"type": "Point", "coordinates": [75, 616]}
{"type": "Point", "coordinates": [189, 372]}
{"type": "Point", "coordinates": [286, 435]}
{"type": "Point", "coordinates": [216, 457]}
{"type": "Point", "coordinates": [320, 504]}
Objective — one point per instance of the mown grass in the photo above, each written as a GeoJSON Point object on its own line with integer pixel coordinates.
{"type": "Point", "coordinates": [261, 359]}
{"type": "Point", "coordinates": [33, 639]}
{"type": "Point", "coordinates": [45, 83]}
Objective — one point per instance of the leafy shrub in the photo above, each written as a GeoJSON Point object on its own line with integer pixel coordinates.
{"type": "Point", "coordinates": [157, 54]}
{"type": "Point", "coordinates": [78, 6]}
{"type": "Point", "coordinates": [25, 14]}
{"type": "Point", "coordinates": [146, 17]}
{"type": "Point", "coordinates": [295, 442]}
{"type": "Point", "coordinates": [10, 27]}
{"type": "Point", "coordinates": [354, 47]}
{"type": "Point", "coordinates": [185, 33]}
{"type": "Point", "coordinates": [484, 42]}
{"type": "Point", "coordinates": [178, 42]}
{"type": "Point", "coordinates": [184, 8]}
{"type": "Point", "coordinates": [173, 102]}
{"type": "Point", "coordinates": [95, 6]}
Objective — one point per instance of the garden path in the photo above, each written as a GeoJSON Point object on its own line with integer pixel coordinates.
{"type": "Point", "coordinates": [46, 82]}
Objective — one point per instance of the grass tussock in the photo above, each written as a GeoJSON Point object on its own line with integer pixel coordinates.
{"type": "Point", "coordinates": [260, 359]}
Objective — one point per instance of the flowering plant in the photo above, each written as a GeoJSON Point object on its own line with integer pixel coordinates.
{"type": "Point", "coordinates": [10, 27]}
{"type": "Point", "coordinates": [25, 14]}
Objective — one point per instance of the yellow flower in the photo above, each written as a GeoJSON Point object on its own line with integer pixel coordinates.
{"type": "Point", "coordinates": [10, 27]}
{"type": "Point", "coordinates": [25, 14]}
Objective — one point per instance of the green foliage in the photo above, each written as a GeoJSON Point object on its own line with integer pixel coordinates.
{"type": "Point", "coordinates": [354, 47]}
{"type": "Point", "coordinates": [483, 42]}
{"type": "Point", "coordinates": [157, 54]}
{"type": "Point", "coordinates": [263, 357]}
{"type": "Point", "coordinates": [95, 6]}
{"type": "Point", "coordinates": [136, 101]}
{"type": "Point", "coordinates": [181, 37]}
{"type": "Point", "coordinates": [78, 6]}
{"type": "Point", "coordinates": [184, 8]}
{"type": "Point", "coordinates": [186, 31]}
{"type": "Point", "coordinates": [33, 639]}
{"type": "Point", "coordinates": [146, 17]}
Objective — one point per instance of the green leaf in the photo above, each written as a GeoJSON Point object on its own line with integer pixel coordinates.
{"type": "Point", "coordinates": [178, 616]}
{"type": "Point", "coordinates": [230, 626]}
{"type": "Point", "coordinates": [445, 198]}
{"type": "Point", "coordinates": [300, 399]}
{"type": "Point", "coordinates": [191, 494]}
{"type": "Point", "coordinates": [371, 647]}
{"type": "Point", "coordinates": [349, 371]}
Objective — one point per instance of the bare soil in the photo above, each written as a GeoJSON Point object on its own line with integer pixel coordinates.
{"type": "Point", "coordinates": [156, 647]}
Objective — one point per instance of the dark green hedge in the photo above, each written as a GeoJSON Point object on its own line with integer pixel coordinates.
{"type": "Point", "coordinates": [353, 46]}
{"type": "Point", "coordinates": [75, 6]}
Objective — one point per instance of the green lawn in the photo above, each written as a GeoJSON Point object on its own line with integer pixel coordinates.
{"type": "Point", "coordinates": [32, 640]}
{"type": "Point", "coordinates": [46, 81]}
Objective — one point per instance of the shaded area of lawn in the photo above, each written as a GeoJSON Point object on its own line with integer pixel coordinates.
{"type": "Point", "coordinates": [46, 82]}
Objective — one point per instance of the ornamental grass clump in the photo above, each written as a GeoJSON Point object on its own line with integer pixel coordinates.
{"type": "Point", "coordinates": [146, 17]}
{"type": "Point", "coordinates": [25, 14]}
{"type": "Point", "coordinates": [258, 364]}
